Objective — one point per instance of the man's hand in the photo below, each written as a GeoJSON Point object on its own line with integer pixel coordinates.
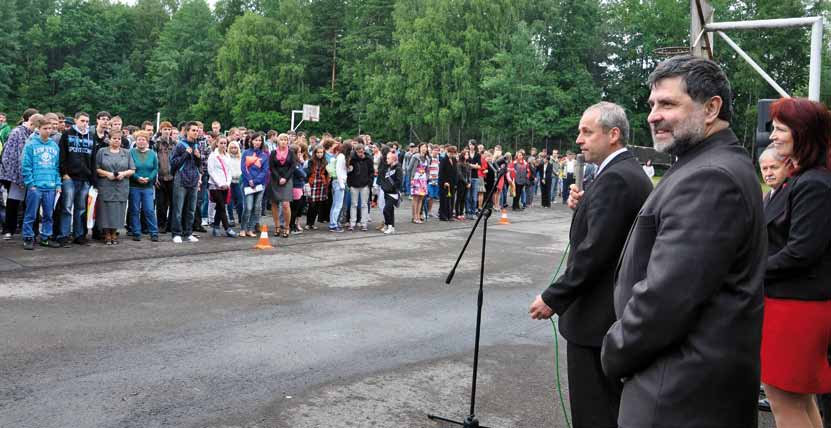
{"type": "Point", "coordinates": [574, 196]}
{"type": "Point", "coordinates": [189, 150]}
{"type": "Point", "coordinates": [197, 153]}
{"type": "Point", "coordinates": [539, 310]}
{"type": "Point", "coordinates": [66, 177]}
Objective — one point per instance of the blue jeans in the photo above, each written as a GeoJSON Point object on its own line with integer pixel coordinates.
{"type": "Point", "coordinates": [184, 208]}
{"type": "Point", "coordinates": [203, 197]}
{"type": "Point", "coordinates": [141, 202]}
{"type": "Point", "coordinates": [73, 195]}
{"type": "Point", "coordinates": [472, 200]}
{"type": "Point", "coordinates": [34, 198]}
{"type": "Point", "coordinates": [337, 204]}
{"type": "Point", "coordinates": [251, 213]}
{"type": "Point", "coordinates": [237, 202]}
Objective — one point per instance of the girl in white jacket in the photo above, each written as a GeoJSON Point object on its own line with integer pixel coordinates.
{"type": "Point", "coordinates": [219, 186]}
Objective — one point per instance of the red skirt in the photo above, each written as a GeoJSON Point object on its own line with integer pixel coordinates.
{"type": "Point", "coordinates": [795, 338]}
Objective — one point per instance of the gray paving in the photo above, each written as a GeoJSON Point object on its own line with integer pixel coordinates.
{"type": "Point", "coordinates": [325, 330]}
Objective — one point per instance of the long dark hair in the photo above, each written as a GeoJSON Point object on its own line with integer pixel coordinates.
{"type": "Point", "coordinates": [810, 124]}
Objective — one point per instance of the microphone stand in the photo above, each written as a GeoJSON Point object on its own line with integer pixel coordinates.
{"type": "Point", "coordinates": [487, 209]}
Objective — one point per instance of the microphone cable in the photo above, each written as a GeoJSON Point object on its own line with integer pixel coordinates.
{"type": "Point", "coordinates": [557, 340]}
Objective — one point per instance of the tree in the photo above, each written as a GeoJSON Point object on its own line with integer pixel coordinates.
{"type": "Point", "coordinates": [180, 64]}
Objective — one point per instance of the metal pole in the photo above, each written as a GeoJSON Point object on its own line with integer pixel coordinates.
{"type": "Point", "coordinates": [816, 60]}
{"type": "Point", "coordinates": [753, 64]}
{"type": "Point", "coordinates": [158, 119]}
{"type": "Point", "coordinates": [762, 23]}
{"type": "Point", "coordinates": [293, 112]}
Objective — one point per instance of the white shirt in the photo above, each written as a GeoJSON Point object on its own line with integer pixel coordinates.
{"type": "Point", "coordinates": [609, 159]}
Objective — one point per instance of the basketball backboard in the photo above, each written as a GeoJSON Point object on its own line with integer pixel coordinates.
{"type": "Point", "coordinates": [701, 14]}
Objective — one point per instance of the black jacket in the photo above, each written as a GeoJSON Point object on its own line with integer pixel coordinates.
{"type": "Point", "coordinates": [78, 154]}
{"type": "Point", "coordinates": [362, 171]}
{"type": "Point", "coordinates": [798, 220]}
{"type": "Point", "coordinates": [582, 296]}
{"type": "Point", "coordinates": [447, 173]}
{"type": "Point", "coordinates": [284, 170]}
{"type": "Point", "coordinates": [390, 180]}
{"type": "Point", "coordinates": [546, 172]}
{"type": "Point", "coordinates": [688, 296]}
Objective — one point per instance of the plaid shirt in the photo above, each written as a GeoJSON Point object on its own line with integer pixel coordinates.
{"type": "Point", "coordinates": [205, 151]}
{"type": "Point", "coordinates": [318, 181]}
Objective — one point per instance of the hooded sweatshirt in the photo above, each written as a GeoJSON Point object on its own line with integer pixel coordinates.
{"type": "Point", "coordinates": [77, 154]}
{"type": "Point", "coordinates": [40, 164]}
{"type": "Point", "coordinates": [185, 166]}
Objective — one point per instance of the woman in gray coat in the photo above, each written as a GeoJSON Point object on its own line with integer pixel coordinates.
{"type": "Point", "coordinates": [114, 166]}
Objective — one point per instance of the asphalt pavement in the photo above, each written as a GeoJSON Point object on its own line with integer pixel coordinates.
{"type": "Point", "coordinates": [324, 330]}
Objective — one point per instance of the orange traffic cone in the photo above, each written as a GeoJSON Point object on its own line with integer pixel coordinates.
{"type": "Point", "coordinates": [263, 243]}
{"type": "Point", "coordinates": [504, 218]}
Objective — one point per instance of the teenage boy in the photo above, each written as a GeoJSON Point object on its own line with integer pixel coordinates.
{"type": "Point", "coordinates": [77, 174]}
{"type": "Point", "coordinates": [185, 163]}
{"type": "Point", "coordinates": [42, 180]}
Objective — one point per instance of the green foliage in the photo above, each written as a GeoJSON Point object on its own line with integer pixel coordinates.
{"type": "Point", "coordinates": [515, 72]}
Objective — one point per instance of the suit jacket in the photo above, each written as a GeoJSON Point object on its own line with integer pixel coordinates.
{"type": "Point", "coordinates": [799, 238]}
{"type": "Point", "coordinates": [582, 296]}
{"type": "Point", "coordinates": [688, 296]}
{"type": "Point", "coordinates": [447, 173]}
{"type": "Point", "coordinates": [546, 173]}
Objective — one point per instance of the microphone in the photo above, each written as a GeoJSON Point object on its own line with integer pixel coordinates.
{"type": "Point", "coordinates": [578, 171]}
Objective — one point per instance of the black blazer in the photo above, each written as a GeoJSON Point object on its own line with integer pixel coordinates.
{"type": "Point", "coordinates": [798, 221]}
{"type": "Point", "coordinates": [688, 296]}
{"type": "Point", "coordinates": [546, 173]}
{"type": "Point", "coordinates": [582, 296]}
{"type": "Point", "coordinates": [447, 173]}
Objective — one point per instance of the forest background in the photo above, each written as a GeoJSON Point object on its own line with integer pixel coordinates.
{"type": "Point", "coordinates": [514, 72]}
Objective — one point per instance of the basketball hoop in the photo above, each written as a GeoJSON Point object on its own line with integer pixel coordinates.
{"type": "Point", "coordinates": [311, 112]}
{"type": "Point", "coordinates": [670, 51]}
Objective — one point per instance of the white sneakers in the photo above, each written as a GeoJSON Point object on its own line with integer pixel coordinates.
{"type": "Point", "coordinates": [389, 230]}
{"type": "Point", "coordinates": [192, 238]}
{"type": "Point", "coordinates": [177, 239]}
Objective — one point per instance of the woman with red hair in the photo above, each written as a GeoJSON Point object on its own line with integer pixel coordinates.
{"type": "Point", "coordinates": [797, 323]}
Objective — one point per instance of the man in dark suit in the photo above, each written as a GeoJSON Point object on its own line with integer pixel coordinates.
{"type": "Point", "coordinates": [582, 296]}
{"type": "Point", "coordinates": [774, 173]}
{"type": "Point", "coordinates": [546, 171]}
{"type": "Point", "coordinates": [688, 293]}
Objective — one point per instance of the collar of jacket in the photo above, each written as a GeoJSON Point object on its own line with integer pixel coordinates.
{"type": "Point", "coordinates": [718, 140]}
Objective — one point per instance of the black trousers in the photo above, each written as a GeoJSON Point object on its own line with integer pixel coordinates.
{"type": "Point", "coordinates": [316, 212]}
{"type": "Point", "coordinates": [518, 196]}
{"type": "Point", "coordinates": [546, 191]}
{"type": "Point", "coordinates": [12, 211]}
{"type": "Point", "coordinates": [164, 200]}
{"type": "Point", "coordinates": [389, 210]}
{"type": "Point", "coordinates": [221, 215]}
{"type": "Point", "coordinates": [594, 398]}
{"type": "Point", "coordinates": [568, 181]}
{"type": "Point", "coordinates": [445, 203]}
{"type": "Point", "coordinates": [461, 195]}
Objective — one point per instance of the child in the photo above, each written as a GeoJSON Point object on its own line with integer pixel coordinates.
{"type": "Point", "coordinates": [42, 181]}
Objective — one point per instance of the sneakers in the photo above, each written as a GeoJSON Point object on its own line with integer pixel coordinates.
{"type": "Point", "coordinates": [230, 233]}
{"type": "Point", "coordinates": [215, 232]}
{"type": "Point", "coordinates": [7, 237]}
{"type": "Point", "coordinates": [177, 239]}
{"type": "Point", "coordinates": [28, 244]}
{"type": "Point", "coordinates": [192, 238]}
{"type": "Point", "coordinates": [336, 229]}
{"type": "Point", "coordinates": [154, 238]}
{"type": "Point", "coordinates": [50, 243]}
{"type": "Point", "coordinates": [204, 222]}
{"type": "Point", "coordinates": [81, 240]}
{"type": "Point", "coordinates": [364, 228]}
{"type": "Point", "coordinates": [136, 237]}
{"type": "Point", "coordinates": [351, 227]}
{"type": "Point", "coordinates": [389, 230]}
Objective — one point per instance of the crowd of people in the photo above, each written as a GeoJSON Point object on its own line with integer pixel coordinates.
{"type": "Point", "coordinates": [179, 180]}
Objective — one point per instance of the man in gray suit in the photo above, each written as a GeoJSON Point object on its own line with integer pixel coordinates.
{"type": "Point", "coordinates": [688, 294]}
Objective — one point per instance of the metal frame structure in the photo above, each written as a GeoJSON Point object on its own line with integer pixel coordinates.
{"type": "Point", "coordinates": [699, 8]}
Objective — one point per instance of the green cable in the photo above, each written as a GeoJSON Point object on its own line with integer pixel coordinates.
{"type": "Point", "coordinates": [557, 341]}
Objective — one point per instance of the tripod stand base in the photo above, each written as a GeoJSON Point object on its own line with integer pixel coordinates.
{"type": "Point", "coordinates": [469, 422]}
